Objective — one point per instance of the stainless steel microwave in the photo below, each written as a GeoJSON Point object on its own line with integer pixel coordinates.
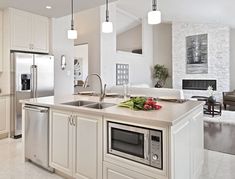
{"type": "Point", "coordinates": [135, 143]}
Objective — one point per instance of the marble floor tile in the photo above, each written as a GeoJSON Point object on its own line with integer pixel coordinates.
{"type": "Point", "coordinates": [12, 165]}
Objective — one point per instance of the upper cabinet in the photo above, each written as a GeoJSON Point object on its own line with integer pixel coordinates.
{"type": "Point", "coordinates": [29, 32]}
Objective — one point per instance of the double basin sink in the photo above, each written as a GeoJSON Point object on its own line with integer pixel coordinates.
{"type": "Point", "coordinates": [89, 104]}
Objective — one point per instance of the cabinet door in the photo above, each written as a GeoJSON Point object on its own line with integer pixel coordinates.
{"type": "Point", "coordinates": [87, 150]}
{"type": "Point", "coordinates": [115, 172]}
{"type": "Point", "coordinates": [3, 115]}
{"type": "Point", "coordinates": [20, 30]}
{"type": "Point", "coordinates": [40, 34]}
{"type": "Point", "coordinates": [61, 142]}
{"type": "Point", "coordinates": [197, 144]}
{"type": "Point", "coordinates": [181, 151]}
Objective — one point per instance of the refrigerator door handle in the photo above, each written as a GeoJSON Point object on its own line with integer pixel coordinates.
{"type": "Point", "coordinates": [32, 80]}
{"type": "Point", "coordinates": [36, 81]}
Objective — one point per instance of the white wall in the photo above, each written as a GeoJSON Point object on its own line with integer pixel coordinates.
{"type": "Point", "coordinates": [62, 46]}
{"type": "Point", "coordinates": [130, 40]}
{"type": "Point", "coordinates": [81, 52]}
{"type": "Point", "coordinates": [162, 48]}
{"type": "Point", "coordinates": [88, 25]}
{"type": "Point", "coordinates": [140, 65]}
{"type": "Point", "coordinates": [232, 59]}
{"type": "Point", "coordinates": [218, 56]}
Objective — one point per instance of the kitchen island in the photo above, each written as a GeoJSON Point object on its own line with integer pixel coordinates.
{"type": "Point", "coordinates": [79, 138]}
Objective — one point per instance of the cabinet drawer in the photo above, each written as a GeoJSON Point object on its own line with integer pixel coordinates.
{"type": "Point", "coordinates": [111, 171]}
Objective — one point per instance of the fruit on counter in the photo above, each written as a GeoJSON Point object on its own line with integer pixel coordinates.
{"type": "Point", "coordinates": [141, 103]}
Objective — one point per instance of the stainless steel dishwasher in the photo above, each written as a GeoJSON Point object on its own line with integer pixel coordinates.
{"type": "Point", "coordinates": [37, 135]}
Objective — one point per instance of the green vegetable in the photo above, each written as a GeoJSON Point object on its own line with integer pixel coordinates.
{"type": "Point", "coordinates": [136, 103]}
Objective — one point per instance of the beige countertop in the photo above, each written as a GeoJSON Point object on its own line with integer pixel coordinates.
{"type": "Point", "coordinates": [169, 114]}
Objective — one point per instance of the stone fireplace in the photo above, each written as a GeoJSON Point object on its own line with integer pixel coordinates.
{"type": "Point", "coordinates": [218, 74]}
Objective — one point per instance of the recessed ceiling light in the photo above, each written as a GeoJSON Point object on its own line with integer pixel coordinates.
{"type": "Point", "coordinates": [48, 7]}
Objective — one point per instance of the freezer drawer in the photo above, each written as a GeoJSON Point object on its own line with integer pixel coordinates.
{"type": "Point", "coordinates": [37, 135]}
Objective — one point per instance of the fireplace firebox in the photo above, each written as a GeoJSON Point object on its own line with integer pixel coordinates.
{"type": "Point", "coordinates": [198, 84]}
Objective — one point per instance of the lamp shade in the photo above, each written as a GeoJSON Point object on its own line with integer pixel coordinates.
{"type": "Point", "coordinates": [72, 34]}
{"type": "Point", "coordinates": [154, 17]}
{"type": "Point", "coordinates": [107, 27]}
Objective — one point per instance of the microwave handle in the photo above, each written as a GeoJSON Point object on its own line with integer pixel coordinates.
{"type": "Point", "coordinates": [146, 146]}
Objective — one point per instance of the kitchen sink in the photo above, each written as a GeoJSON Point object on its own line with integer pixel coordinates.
{"type": "Point", "coordinates": [100, 105]}
{"type": "Point", "coordinates": [78, 103]}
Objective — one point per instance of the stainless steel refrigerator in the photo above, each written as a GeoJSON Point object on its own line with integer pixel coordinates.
{"type": "Point", "coordinates": [32, 76]}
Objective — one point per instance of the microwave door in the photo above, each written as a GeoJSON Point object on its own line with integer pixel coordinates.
{"type": "Point", "coordinates": [129, 142]}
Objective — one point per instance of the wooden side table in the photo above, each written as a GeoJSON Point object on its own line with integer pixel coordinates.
{"type": "Point", "coordinates": [213, 109]}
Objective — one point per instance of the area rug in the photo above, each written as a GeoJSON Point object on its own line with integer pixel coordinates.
{"type": "Point", "coordinates": [219, 132]}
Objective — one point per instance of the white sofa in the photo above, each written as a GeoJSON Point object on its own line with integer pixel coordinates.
{"type": "Point", "coordinates": [150, 92]}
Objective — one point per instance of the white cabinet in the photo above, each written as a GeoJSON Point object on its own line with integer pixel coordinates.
{"type": "Point", "coordinates": [182, 151]}
{"type": "Point", "coordinates": [40, 34]}
{"type": "Point", "coordinates": [61, 134]}
{"type": "Point", "coordinates": [1, 41]}
{"type": "Point", "coordinates": [187, 146]}
{"type": "Point", "coordinates": [86, 148]}
{"type": "Point", "coordinates": [4, 116]}
{"type": "Point", "coordinates": [115, 172]}
{"type": "Point", "coordinates": [29, 32]}
{"type": "Point", "coordinates": [76, 144]}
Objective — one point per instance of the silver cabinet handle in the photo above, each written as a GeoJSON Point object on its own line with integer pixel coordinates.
{"type": "Point", "coordinates": [75, 121]}
{"type": "Point", "coordinates": [70, 120]}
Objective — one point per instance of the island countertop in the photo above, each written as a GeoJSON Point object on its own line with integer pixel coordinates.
{"type": "Point", "coordinates": [169, 115]}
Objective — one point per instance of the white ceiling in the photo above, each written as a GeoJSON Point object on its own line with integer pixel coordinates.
{"type": "Point", "coordinates": [125, 21]}
{"type": "Point", "coordinates": [59, 7]}
{"type": "Point", "coordinates": [202, 11]}
{"type": "Point", "coordinates": [206, 11]}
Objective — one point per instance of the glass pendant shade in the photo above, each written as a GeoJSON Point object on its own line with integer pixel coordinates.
{"type": "Point", "coordinates": [154, 17]}
{"type": "Point", "coordinates": [107, 27]}
{"type": "Point", "coordinates": [72, 34]}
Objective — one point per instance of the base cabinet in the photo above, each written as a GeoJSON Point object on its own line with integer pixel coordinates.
{"type": "Point", "coordinates": [188, 147]}
{"type": "Point", "coordinates": [115, 172]}
{"type": "Point", "coordinates": [86, 140]}
{"type": "Point", "coordinates": [61, 141]}
{"type": "Point", "coordinates": [4, 116]}
{"type": "Point", "coordinates": [75, 144]}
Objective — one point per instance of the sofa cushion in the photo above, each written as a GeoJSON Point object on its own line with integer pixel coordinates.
{"type": "Point", "coordinates": [229, 97]}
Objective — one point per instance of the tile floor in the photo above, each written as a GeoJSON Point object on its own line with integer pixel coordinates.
{"type": "Point", "coordinates": [12, 166]}
{"type": "Point", "coordinates": [218, 166]}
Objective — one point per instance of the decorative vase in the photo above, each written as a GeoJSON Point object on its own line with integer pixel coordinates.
{"type": "Point", "coordinates": [211, 99]}
{"type": "Point", "coordinates": [159, 84]}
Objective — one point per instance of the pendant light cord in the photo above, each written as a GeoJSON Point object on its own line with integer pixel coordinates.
{"type": "Point", "coordinates": [154, 5]}
{"type": "Point", "coordinates": [72, 21]}
{"type": "Point", "coordinates": [107, 11]}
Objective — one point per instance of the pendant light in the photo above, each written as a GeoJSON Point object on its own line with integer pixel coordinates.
{"type": "Point", "coordinates": [107, 26]}
{"type": "Point", "coordinates": [154, 16]}
{"type": "Point", "coordinates": [72, 33]}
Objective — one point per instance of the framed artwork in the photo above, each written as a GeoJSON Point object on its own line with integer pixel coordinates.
{"type": "Point", "coordinates": [122, 74]}
{"type": "Point", "coordinates": [197, 54]}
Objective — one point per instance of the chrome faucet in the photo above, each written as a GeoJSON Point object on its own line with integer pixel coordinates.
{"type": "Point", "coordinates": [102, 91]}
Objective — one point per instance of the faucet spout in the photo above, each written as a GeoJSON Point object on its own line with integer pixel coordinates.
{"type": "Point", "coordinates": [102, 92]}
